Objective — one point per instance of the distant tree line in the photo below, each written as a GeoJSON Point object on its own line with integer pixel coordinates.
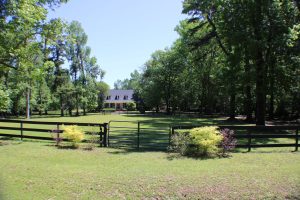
{"type": "Point", "coordinates": [45, 64]}
{"type": "Point", "coordinates": [232, 57]}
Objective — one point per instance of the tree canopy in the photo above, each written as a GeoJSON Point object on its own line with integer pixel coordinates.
{"type": "Point", "coordinates": [34, 57]}
{"type": "Point", "coordinates": [232, 57]}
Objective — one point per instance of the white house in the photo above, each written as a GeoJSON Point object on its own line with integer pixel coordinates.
{"type": "Point", "coordinates": [118, 99]}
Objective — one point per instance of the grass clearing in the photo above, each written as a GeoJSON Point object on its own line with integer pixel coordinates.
{"type": "Point", "coordinates": [38, 170]}
{"type": "Point", "coordinates": [33, 170]}
{"type": "Point", "coordinates": [154, 129]}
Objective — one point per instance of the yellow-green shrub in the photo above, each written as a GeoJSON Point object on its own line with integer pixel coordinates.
{"type": "Point", "coordinates": [73, 133]}
{"type": "Point", "coordinates": [204, 141]}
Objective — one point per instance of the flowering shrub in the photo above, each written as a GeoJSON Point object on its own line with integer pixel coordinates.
{"type": "Point", "coordinates": [74, 134]}
{"type": "Point", "coordinates": [205, 141]}
{"type": "Point", "coordinates": [228, 141]}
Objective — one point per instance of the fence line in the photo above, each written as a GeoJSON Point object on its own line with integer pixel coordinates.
{"type": "Point", "coordinates": [104, 132]}
{"type": "Point", "coordinates": [102, 129]}
{"type": "Point", "coordinates": [251, 136]}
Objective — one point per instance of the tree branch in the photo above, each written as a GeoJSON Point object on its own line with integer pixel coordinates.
{"type": "Point", "coordinates": [7, 65]}
{"type": "Point", "coordinates": [217, 36]}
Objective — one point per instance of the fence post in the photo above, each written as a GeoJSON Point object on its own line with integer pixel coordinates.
{"type": "Point", "coordinates": [21, 130]}
{"type": "Point", "coordinates": [57, 135]}
{"type": "Point", "coordinates": [297, 140]}
{"type": "Point", "coordinates": [105, 135]}
{"type": "Point", "coordinates": [249, 141]}
{"type": "Point", "coordinates": [138, 136]}
{"type": "Point", "coordinates": [108, 129]}
{"type": "Point", "coordinates": [101, 136]}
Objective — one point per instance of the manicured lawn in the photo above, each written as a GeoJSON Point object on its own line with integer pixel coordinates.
{"type": "Point", "coordinates": [38, 170]}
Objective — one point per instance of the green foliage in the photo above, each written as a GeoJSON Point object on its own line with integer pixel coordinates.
{"type": "Point", "coordinates": [199, 142]}
{"type": "Point", "coordinates": [131, 106]}
{"type": "Point", "coordinates": [180, 141]}
{"type": "Point", "coordinates": [5, 101]}
{"type": "Point", "coordinates": [102, 91]}
{"type": "Point", "coordinates": [74, 134]}
{"type": "Point", "coordinates": [32, 52]}
{"type": "Point", "coordinates": [205, 141]}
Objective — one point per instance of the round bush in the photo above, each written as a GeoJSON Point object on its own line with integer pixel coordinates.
{"type": "Point", "coordinates": [204, 141]}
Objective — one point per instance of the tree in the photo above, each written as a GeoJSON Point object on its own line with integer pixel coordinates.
{"type": "Point", "coordinates": [77, 40]}
{"type": "Point", "coordinates": [246, 29]}
{"type": "Point", "coordinates": [102, 92]}
{"type": "Point", "coordinates": [19, 45]}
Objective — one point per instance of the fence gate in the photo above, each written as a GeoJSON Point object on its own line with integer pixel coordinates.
{"type": "Point", "coordinates": [122, 134]}
{"type": "Point", "coordinates": [154, 136]}
{"type": "Point", "coordinates": [141, 135]}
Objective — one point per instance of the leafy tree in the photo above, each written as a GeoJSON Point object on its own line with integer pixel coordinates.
{"type": "Point", "coordinates": [102, 92]}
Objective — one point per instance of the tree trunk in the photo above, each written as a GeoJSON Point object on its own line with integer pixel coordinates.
{"type": "Point", "coordinates": [232, 104]}
{"type": "Point", "coordinates": [77, 104]}
{"type": "Point", "coordinates": [28, 103]}
{"type": "Point", "coordinates": [168, 107]}
{"type": "Point", "coordinates": [260, 90]}
{"type": "Point", "coordinates": [248, 103]}
{"type": "Point", "coordinates": [61, 105]}
{"type": "Point", "coordinates": [260, 68]}
{"type": "Point", "coordinates": [271, 89]}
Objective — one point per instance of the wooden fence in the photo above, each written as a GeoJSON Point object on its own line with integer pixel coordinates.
{"type": "Point", "coordinates": [57, 130]}
{"type": "Point", "coordinates": [252, 134]}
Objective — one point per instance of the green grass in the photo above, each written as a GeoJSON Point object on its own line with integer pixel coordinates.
{"type": "Point", "coordinates": [152, 128]}
{"type": "Point", "coordinates": [154, 133]}
{"type": "Point", "coordinates": [38, 170]}
{"type": "Point", "coordinates": [33, 170]}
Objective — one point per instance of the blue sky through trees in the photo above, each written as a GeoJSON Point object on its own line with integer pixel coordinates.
{"type": "Point", "coordinates": [124, 33]}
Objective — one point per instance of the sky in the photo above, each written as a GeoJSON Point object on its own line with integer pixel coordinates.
{"type": "Point", "coordinates": [124, 33]}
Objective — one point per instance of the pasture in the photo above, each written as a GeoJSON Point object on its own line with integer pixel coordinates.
{"type": "Point", "coordinates": [38, 170]}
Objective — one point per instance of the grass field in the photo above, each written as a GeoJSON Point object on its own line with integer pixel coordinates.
{"type": "Point", "coordinates": [33, 170]}
{"type": "Point", "coordinates": [154, 130]}
{"type": "Point", "coordinates": [39, 170]}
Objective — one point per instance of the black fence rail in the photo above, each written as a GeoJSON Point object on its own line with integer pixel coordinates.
{"type": "Point", "coordinates": [252, 133]}
{"type": "Point", "coordinates": [18, 125]}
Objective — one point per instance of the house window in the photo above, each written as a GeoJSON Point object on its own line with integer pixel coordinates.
{"type": "Point", "coordinates": [108, 98]}
{"type": "Point", "coordinates": [125, 97]}
{"type": "Point", "coordinates": [117, 97]}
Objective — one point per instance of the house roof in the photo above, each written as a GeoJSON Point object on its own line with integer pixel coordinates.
{"type": "Point", "coordinates": [121, 94]}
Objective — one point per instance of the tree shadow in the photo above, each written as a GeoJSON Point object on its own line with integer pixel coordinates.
{"type": "Point", "coordinates": [68, 147]}
{"type": "Point", "coordinates": [4, 140]}
{"type": "Point", "coordinates": [177, 156]}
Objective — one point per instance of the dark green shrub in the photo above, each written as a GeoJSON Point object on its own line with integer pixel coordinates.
{"type": "Point", "coordinates": [180, 142]}
{"type": "Point", "coordinates": [131, 106]}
